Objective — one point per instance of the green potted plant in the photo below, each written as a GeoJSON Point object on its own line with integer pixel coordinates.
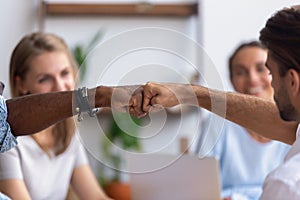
{"type": "Point", "coordinates": [80, 53]}
{"type": "Point", "coordinates": [125, 140]}
{"type": "Point", "coordinates": [114, 135]}
{"type": "Point", "coordinates": [119, 137]}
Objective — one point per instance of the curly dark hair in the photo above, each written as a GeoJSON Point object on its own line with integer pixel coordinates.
{"type": "Point", "coordinates": [281, 35]}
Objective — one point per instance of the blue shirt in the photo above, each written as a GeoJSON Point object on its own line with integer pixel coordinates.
{"type": "Point", "coordinates": [244, 162]}
{"type": "Point", "coordinates": [3, 197]}
{"type": "Point", "coordinates": [7, 139]}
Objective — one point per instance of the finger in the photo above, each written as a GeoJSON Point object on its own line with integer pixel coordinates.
{"type": "Point", "coordinates": [156, 108]}
{"type": "Point", "coordinates": [134, 113]}
{"type": "Point", "coordinates": [154, 101]}
{"type": "Point", "coordinates": [146, 104]}
{"type": "Point", "coordinates": [133, 102]}
{"type": "Point", "coordinates": [148, 95]}
{"type": "Point", "coordinates": [136, 107]}
{"type": "Point", "coordinates": [138, 102]}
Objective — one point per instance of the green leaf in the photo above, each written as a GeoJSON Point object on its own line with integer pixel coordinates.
{"type": "Point", "coordinates": [80, 53]}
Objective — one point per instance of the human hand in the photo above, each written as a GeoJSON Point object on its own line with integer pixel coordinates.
{"type": "Point", "coordinates": [167, 95]}
{"type": "Point", "coordinates": [128, 99]}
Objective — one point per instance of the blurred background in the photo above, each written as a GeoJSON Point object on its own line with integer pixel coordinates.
{"type": "Point", "coordinates": [216, 26]}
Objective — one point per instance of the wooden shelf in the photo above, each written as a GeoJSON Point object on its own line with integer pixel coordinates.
{"type": "Point", "coordinates": [138, 9]}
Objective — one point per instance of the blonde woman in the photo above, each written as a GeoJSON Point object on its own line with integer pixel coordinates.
{"type": "Point", "coordinates": [44, 165]}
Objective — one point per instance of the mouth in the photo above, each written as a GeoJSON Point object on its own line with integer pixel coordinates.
{"type": "Point", "coordinates": [255, 91]}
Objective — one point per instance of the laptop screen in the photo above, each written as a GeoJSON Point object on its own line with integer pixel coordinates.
{"type": "Point", "coordinates": [187, 177]}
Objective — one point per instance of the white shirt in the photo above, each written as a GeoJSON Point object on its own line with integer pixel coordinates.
{"type": "Point", "coordinates": [45, 177]}
{"type": "Point", "coordinates": [244, 162]}
{"type": "Point", "coordinates": [284, 182]}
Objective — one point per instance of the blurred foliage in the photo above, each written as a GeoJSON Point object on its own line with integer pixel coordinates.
{"type": "Point", "coordinates": [81, 51]}
{"type": "Point", "coordinates": [125, 138]}
{"type": "Point", "coordinates": [115, 135]}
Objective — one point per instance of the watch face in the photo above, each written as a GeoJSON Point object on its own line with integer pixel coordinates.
{"type": "Point", "coordinates": [1, 88]}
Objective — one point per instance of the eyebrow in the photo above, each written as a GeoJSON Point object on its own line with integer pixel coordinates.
{"type": "Point", "coordinates": [243, 66]}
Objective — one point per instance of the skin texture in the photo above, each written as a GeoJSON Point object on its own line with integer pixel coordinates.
{"type": "Point", "coordinates": [257, 114]}
{"type": "Point", "coordinates": [249, 75]}
{"type": "Point", "coordinates": [275, 121]}
{"type": "Point", "coordinates": [23, 111]}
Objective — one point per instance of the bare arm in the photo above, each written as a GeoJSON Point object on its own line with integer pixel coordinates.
{"type": "Point", "coordinates": [257, 114]}
{"type": "Point", "coordinates": [85, 184]}
{"type": "Point", "coordinates": [250, 112]}
{"type": "Point", "coordinates": [32, 113]}
{"type": "Point", "coordinates": [15, 189]}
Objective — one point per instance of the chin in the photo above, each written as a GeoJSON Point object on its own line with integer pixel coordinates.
{"type": "Point", "coordinates": [258, 95]}
{"type": "Point", "coordinates": [265, 96]}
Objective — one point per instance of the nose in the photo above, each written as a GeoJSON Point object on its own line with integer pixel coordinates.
{"type": "Point", "coordinates": [59, 85]}
{"type": "Point", "coordinates": [272, 83]}
{"type": "Point", "coordinates": [253, 77]}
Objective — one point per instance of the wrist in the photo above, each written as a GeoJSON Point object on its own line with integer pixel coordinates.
{"type": "Point", "coordinates": [201, 93]}
{"type": "Point", "coordinates": [102, 96]}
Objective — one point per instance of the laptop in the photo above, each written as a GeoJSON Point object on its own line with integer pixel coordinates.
{"type": "Point", "coordinates": [164, 177]}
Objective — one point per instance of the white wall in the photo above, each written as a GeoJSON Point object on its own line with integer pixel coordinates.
{"type": "Point", "coordinates": [17, 17]}
{"type": "Point", "coordinates": [222, 25]}
{"type": "Point", "coordinates": [80, 29]}
{"type": "Point", "coordinates": [129, 68]}
{"type": "Point", "coordinates": [227, 23]}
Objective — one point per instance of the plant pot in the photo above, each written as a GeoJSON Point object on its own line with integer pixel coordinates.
{"type": "Point", "coordinates": [118, 191]}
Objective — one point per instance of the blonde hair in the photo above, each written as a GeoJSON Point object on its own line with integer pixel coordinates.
{"type": "Point", "coordinates": [29, 47]}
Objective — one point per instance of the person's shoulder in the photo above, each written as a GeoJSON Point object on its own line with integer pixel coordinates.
{"type": "Point", "coordinates": [288, 172]}
{"type": "Point", "coordinates": [26, 141]}
{"type": "Point", "coordinates": [283, 182]}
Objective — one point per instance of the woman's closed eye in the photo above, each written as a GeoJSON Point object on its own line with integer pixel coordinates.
{"type": "Point", "coordinates": [240, 72]}
{"type": "Point", "coordinates": [43, 79]}
{"type": "Point", "coordinates": [65, 72]}
{"type": "Point", "coordinates": [261, 68]}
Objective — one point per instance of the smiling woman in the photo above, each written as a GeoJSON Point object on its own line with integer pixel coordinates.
{"type": "Point", "coordinates": [49, 72]}
{"type": "Point", "coordinates": [248, 73]}
{"type": "Point", "coordinates": [42, 63]}
{"type": "Point", "coordinates": [242, 173]}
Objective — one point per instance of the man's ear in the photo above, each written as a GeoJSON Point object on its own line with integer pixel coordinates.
{"type": "Point", "coordinates": [294, 81]}
{"type": "Point", "coordinates": [20, 85]}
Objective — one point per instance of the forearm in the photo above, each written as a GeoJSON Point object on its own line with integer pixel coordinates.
{"type": "Point", "coordinates": [100, 96]}
{"type": "Point", "coordinates": [257, 114]}
{"type": "Point", "coordinates": [15, 189]}
{"type": "Point", "coordinates": [33, 113]}
{"type": "Point", "coordinates": [85, 184]}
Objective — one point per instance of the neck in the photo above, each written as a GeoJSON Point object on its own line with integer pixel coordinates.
{"type": "Point", "coordinates": [45, 139]}
{"type": "Point", "coordinates": [257, 137]}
